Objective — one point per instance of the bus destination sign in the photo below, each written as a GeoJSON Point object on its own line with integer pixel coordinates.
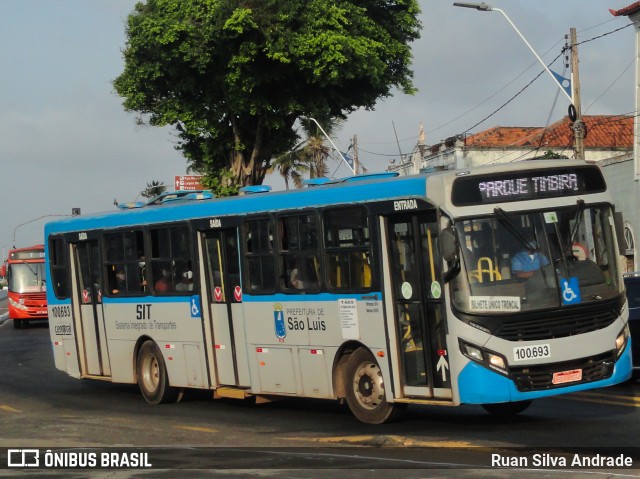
{"type": "Point", "coordinates": [26, 255]}
{"type": "Point", "coordinates": [519, 186]}
{"type": "Point", "coordinates": [529, 187]}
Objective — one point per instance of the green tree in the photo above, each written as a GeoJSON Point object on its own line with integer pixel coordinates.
{"type": "Point", "coordinates": [309, 159]}
{"type": "Point", "coordinates": [233, 76]}
{"type": "Point", "coordinates": [551, 155]}
{"type": "Point", "coordinates": [154, 189]}
{"type": "Point", "coordinates": [291, 168]}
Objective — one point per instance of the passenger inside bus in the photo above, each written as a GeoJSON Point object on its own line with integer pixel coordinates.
{"type": "Point", "coordinates": [294, 280]}
{"type": "Point", "coordinates": [186, 281]}
{"type": "Point", "coordinates": [163, 284]}
{"type": "Point", "coordinates": [120, 282]}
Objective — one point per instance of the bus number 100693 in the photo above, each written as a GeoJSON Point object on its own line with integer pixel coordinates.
{"type": "Point", "coordinates": [537, 351]}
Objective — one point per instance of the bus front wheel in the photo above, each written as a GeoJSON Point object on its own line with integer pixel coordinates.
{"type": "Point", "coordinates": [364, 389]}
{"type": "Point", "coordinates": [153, 379]}
{"type": "Point", "coordinates": [507, 408]}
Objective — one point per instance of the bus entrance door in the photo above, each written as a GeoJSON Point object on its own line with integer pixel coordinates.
{"type": "Point", "coordinates": [413, 264]}
{"type": "Point", "coordinates": [222, 297]}
{"type": "Point", "coordinates": [87, 297]}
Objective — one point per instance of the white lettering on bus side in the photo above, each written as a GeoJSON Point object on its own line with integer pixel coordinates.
{"type": "Point", "coordinates": [403, 205]}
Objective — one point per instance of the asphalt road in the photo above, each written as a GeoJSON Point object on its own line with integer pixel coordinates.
{"type": "Point", "coordinates": [43, 408]}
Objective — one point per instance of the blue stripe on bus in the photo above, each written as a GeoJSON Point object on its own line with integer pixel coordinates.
{"type": "Point", "coordinates": [347, 193]}
{"type": "Point", "coordinates": [129, 300]}
{"type": "Point", "coordinates": [273, 298]}
{"type": "Point", "coordinates": [288, 298]}
{"type": "Point", "coordinates": [479, 385]}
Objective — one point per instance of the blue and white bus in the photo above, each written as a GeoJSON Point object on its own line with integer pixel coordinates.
{"type": "Point", "coordinates": [493, 286]}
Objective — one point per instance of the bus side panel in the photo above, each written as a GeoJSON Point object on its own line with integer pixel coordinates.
{"type": "Point", "coordinates": [317, 328]}
{"type": "Point", "coordinates": [63, 338]}
{"type": "Point", "coordinates": [122, 358]}
{"type": "Point", "coordinates": [315, 367]}
{"type": "Point", "coordinates": [170, 324]}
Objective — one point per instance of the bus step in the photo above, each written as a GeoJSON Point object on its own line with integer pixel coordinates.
{"type": "Point", "coordinates": [439, 402]}
{"type": "Point", "coordinates": [229, 392]}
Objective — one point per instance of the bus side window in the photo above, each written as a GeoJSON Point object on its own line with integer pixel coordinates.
{"type": "Point", "coordinates": [170, 255]}
{"type": "Point", "coordinates": [122, 263]}
{"type": "Point", "coordinates": [259, 255]}
{"type": "Point", "coordinates": [347, 249]}
{"type": "Point", "coordinates": [298, 254]}
{"type": "Point", "coordinates": [59, 270]}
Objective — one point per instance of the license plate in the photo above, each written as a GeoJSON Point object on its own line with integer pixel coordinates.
{"type": "Point", "coordinates": [527, 353]}
{"type": "Point", "coordinates": [567, 376]}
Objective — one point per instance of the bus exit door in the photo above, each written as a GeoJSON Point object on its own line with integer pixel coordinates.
{"type": "Point", "coordinates": [89, 323]}
{"type": "Point", "coordinates": [413, 266]}
{"type": "Point", "coordinates": [222, 298]}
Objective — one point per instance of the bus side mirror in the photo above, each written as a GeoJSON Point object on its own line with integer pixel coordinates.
{"type": "Point", "coordinates": [449, 244]}
{"type": "Point", "coordinates": [3, 270]}
{"type": "Point", "coordinates": [449, 250]}
{"type": "Point", "coordinates": [619, 223]}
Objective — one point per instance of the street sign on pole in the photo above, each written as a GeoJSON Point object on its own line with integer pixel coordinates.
{"type": "Point", "coordinates": [188, 183]}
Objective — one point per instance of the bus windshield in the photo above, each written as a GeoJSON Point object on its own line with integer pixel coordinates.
{"type": "Point", "coordinates": [26, 277]}
{"type": "Point", "coordinates": [514, 262]}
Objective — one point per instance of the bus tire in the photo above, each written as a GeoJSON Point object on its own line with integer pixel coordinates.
{"type": "Point", "coordinates": [153, 379]}
{"type": "Point", "coordinates": [507, 408]}
{"type": "Point", "coordinates": [17, 324]}
{"type": "Point", "coordinates": [364, 389]}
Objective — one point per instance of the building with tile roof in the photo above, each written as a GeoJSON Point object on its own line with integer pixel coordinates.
{"type": "Point", "coordinates": [608, 136]}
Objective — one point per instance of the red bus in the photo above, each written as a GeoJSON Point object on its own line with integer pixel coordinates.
{"type": "Point", "coordinates": [24, 271]}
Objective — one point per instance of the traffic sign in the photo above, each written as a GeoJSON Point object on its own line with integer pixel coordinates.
{"type": "Point", "coordinates": [189, 182]}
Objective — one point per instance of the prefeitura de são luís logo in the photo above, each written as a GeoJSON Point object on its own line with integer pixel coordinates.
{"type": "Point", "coordinates": [278, 321]}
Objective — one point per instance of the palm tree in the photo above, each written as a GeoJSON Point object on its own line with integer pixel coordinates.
{"type": "Point", "coordinates": [311, 159]}
{"type": "Point", "coordinates": [291, 168]}
{"type": "Point", "coordinates": [154, 189]}
{"type": "Point", "coordinates": [315, 154]}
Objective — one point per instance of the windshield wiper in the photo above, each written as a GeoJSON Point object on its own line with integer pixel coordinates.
{"type": "Point", "coordinates": [504, 218]}
{"type": "Point", "coordinates": [577, 221]}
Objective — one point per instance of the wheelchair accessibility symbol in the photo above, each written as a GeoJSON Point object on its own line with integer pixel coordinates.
{"type": "Point", "coordinates": [570, 291]}
{"type": "Point", "coordinates": [195, 310]}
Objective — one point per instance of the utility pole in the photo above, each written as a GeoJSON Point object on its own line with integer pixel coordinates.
{"type": "Point", "coordinates": [356, 164]}
{"type": "Point", "coordinates": [578, 124]}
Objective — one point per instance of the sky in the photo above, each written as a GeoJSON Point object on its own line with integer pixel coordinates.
{"type": "Point", "coordinates": [66, 141]}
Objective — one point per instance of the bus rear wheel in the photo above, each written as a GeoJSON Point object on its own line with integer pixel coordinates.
{"type": "Point", "coordinates": [364, 389]}
{"type": "Point", "coordinates": [507, 408]}
{"type": "Point", "coordinates": [153, 379]}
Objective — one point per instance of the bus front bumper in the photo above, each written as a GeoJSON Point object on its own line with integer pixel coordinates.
{"type": "Point", "coordinates": [479, 385]}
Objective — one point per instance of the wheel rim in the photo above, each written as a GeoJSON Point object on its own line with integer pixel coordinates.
{"type": "Point", "coordinates": [151, 374]}
{"type": "Point", "coordinates": [368, 385]}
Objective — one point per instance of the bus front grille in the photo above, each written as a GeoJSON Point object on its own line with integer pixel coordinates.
{"type": "Point", "coordinates": [556, 326]}
{"type": "Point", "coordinates": [539, 378]}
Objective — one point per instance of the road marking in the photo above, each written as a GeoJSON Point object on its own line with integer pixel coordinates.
{"type": "Point", "coordinates": [391, 441]}
{"type": "Point", "coordinates": [599, 398]}
{"type": "Point", "coordinates": [9, 408]}
{"type": "Point", "coordinates": [197, 429]}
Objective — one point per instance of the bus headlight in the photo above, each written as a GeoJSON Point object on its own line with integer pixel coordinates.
{"type": "Point", "coordinates": [488, 359]}
{"type": "Point", "coordinates": [621, 340]}
{"type": "Point", "coordinates": [15, 304]}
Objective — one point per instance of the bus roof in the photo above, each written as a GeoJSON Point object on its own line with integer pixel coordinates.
{"type": "Point", "coordinates": [346, 191]}
{"type": "Point", "coordinates": [361, 188]}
